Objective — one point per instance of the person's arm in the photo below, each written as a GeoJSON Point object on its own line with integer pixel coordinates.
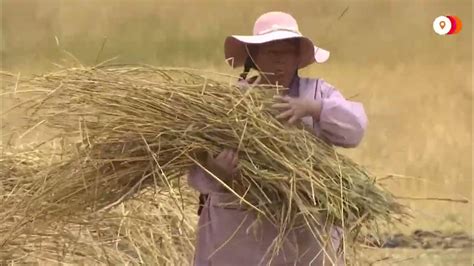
{"type": "Point", "coordinates": [224, 167]}
{"type": "Point", "coordinates": [342, 122]}
{"type": "Point", "coordinates": [202, 182]}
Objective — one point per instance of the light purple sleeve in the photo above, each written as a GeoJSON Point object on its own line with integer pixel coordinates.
{"type": "Point", "coordinates": [199, 179]}
{"type": "Point", "coordinates": [202, 182]}
{"type": "Point", "coordinates": [342, 122]}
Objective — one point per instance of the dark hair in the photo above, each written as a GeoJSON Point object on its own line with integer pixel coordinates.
{"type": "Point", "coordinates": [248, 65]}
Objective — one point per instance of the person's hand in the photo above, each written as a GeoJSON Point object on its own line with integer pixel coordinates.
{"type": "Point", "coordinates": [224, 165]}
{"type": "Point", "coordinates": [293, 109]}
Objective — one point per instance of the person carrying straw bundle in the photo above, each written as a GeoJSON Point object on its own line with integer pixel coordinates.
{"type": "Point", "coordinates": [230, 235]}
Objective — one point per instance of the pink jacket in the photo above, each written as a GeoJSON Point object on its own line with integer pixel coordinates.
{"type": "Point", "coordinates": [222, 236]}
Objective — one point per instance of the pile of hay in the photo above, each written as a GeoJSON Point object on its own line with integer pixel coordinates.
{"type": "Point", "coordinates": [17, 167]}
{"type": "Point", "coordinates": [135, 232]}
{"type": "Point", "coordinates": [149, 229]}
{"type": "Point", "coordinates": [140, 126]}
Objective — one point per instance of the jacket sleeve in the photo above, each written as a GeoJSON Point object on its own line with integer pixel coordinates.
{"type": "Point", "coordinates": [342, 122]}
{"type": "Point", "coordinates": [202, 182]}
{"type": "Point", "coordinates": [198, 178]}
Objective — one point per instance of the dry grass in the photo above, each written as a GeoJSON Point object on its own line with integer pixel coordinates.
{"type": "Point", "coordinates": [150, 228]}
{"type": "Point", "coordinates": [419, 125]}
{"type": "Point", "coordinates": [165, 32]}
{"type": "Point", "coordinates": [416, 86]}
{"type": "Point", "coordinates": [144, 126]}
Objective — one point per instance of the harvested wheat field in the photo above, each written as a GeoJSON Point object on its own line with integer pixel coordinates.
{"type": "Point", "coordinates": [94, 151]}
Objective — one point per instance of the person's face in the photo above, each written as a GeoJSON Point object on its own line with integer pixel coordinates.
{"type": "Point", "coordinates": [278, 61]}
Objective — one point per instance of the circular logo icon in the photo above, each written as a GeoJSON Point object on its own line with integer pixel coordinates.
{"type": "Point", "coordinates": [442, 25]}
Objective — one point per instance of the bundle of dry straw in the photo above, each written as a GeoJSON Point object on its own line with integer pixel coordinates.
{"type": "Point", "coordinates": [141, 125]}
{"type": "Point", "coordinates": [16, 167]}
{"type": "Point", "coordinates": [149, 229]}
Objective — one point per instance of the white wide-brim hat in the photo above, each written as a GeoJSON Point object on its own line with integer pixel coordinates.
{"type": "Point", "coordinates": [273, 26]}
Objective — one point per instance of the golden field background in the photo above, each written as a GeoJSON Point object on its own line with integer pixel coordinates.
{"type": "Point", "coordinates": [416, 86]}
